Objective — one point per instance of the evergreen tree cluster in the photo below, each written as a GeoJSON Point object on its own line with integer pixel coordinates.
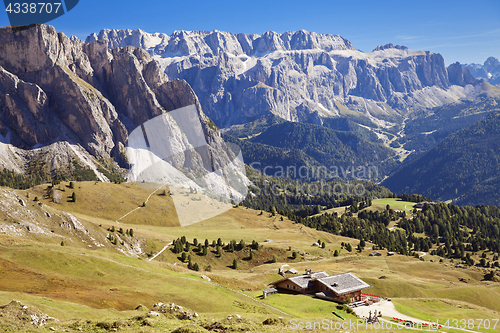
{"type": "Point", "coordinates": [442, 229]}
{"type": "Point", "coordinates": [36, 174]}
{"type": "Point", "coordinates": [455, 230]}
{"type": "Point", "coordinates": [287, 194]}
{"type": "Point", "coordinates": [183, 247]}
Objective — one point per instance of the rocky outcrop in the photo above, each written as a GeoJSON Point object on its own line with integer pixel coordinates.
{"type": "Point", "coordinates": [64, 77]}
{"type": "Point", "coordinates": [62, 93]}
{"type": "Point", "coordinates": [299, 76]}
{"type": "Point", "coordinates": [489, 71]}
{"type": "Point", "coordinates": [459, 75]}
{"type": "Point", "coordinates": [389, 46]}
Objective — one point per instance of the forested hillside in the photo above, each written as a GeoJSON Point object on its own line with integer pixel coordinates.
{"type": "Point", "coordinates": [288, 144]}
{"type": "Point", "coordinates": [464, 167]}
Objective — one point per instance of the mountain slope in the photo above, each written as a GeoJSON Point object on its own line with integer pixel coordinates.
{"type": "Point", "coordinates": [432, 126]}
{"type": "Point", "coordinates": [313, 147]}
{"type": "Point", "coordinates": [488, 71]}
{"type": "Point", "coordinates": [300, 76]}
{"type": "Point", "coordinates": [465, 167]}
{"type": "Point", "coordinates": [63, 102]}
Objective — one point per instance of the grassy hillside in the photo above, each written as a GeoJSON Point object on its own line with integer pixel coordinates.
{"type": "Point", "coordinates": [112, 201]}
{"type": "Point", "coordinates": [101, 285]}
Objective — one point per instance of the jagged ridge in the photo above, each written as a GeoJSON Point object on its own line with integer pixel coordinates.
{"type": "Point", "coordinates": [299, 76]}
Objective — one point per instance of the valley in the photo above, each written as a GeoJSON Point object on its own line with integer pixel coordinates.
{"type": "Point", "coordinates": [154, 182]}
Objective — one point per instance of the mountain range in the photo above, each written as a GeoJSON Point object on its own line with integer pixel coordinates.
{"type": "Point", "coordinates": [489, 71]}
{"type": "Point", "coordinates": [296, 98]}
{"type": "Point", "coordinates": [300, 76]}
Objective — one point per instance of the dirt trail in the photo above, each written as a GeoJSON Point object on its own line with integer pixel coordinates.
{"type": "Point", "coordinates": [389, 310]}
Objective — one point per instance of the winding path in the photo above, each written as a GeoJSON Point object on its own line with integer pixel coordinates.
{"type": "Point", "coordinates": [133, 210]}
{"type": "Point", "coordinates": [156, 255]}
{"type": "Point", "coordinates": [389, 310]}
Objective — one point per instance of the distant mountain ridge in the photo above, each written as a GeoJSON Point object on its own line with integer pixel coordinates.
{"type": "Point", "coordinates": [300, 76]}
{"type": "Point", "coordinates": [488, 71]}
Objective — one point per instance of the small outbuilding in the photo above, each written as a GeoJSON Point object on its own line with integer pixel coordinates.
{"type": "Point", "coordinates": [269, 291]}
{"type": "Point", "coordinates": [375, 254]}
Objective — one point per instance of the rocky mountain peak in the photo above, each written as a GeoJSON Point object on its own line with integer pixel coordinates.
{"type": "Point", "coordinates": [389, 46]}
{"type": "Point", "coordinates": [489, 71]}
{"type": "Point", "coordinates": [185, 43]}
{"type": "Point", "coordinates": [459, 75]}
{"type": "Point", "coordinates": [492, 64]}
{"type": "Point", "coordinates": [54, 89]}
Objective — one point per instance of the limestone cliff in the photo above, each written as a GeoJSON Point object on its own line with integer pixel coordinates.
{"type": "Point", "coordinates": [63, 100]}
{"type": "Point", "coordinates": [299, 76]}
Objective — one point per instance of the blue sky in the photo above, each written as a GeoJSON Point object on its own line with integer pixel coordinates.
{"type": "Point", "coordinates": [464, 31]}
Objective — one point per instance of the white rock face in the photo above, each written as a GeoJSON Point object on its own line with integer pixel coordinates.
{"type": "Point", "coordinates": [172, 150]}
{"type": "Point", "coordinates": [299, 76]}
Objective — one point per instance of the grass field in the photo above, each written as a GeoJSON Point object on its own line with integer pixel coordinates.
{"type": "Point", "coordinates": [112, 201]}
{"type": "Point", "coordinates": [378, 205]}
{"type": "Point", "coordinates": [446, 311]}
{"type": "Point", "coordinates": [103, 284]}
{"type": "Point", "coordinates": [394, 203]}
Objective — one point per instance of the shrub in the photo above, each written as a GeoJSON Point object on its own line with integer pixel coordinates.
{"type": "Point", "coordinates": [273, 321]}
